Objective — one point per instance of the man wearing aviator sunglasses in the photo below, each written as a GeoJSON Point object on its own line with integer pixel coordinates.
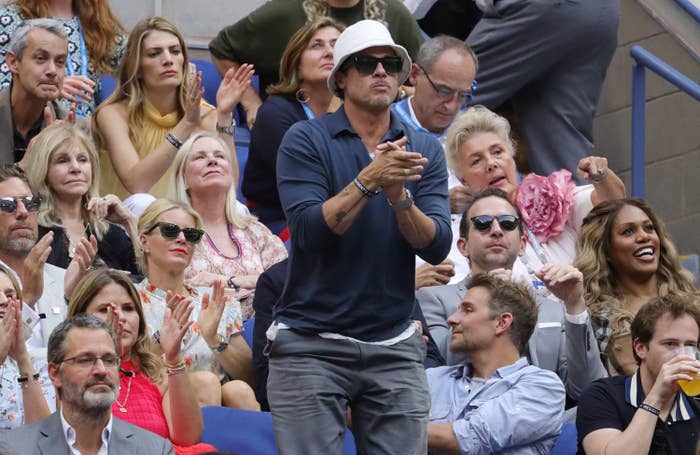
{"type": "Point", "coordinates": [492, 239]}
{"type": "Point", "coordinates": [443, 80]}
{"type": "Point", "coordinates": [363, 194]}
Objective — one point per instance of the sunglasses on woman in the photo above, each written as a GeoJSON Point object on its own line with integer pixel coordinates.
{"type": "Point", "coordinates": [366, 64]}
{"type": "Point", "coordinates": [170, 231]}
{"type": "Point", "coordinates": [482, 223]}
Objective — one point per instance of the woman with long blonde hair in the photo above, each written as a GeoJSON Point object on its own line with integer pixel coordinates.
{"type": "Point", "coordinates": [96, 42]}
{"type": "Point", "coordinates": [156, 106]}
{"type": "Point", "coordinates": [63, 169]}
{"type": "Point", "coordinates": [236, 248]}
{"type": "Point", "coordinates": [168, 234]}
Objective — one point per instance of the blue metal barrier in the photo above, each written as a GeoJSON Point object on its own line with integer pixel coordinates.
{"type": "Point", "coordinates": [689, 8]}
{"type": "Point", "coordinates": [646, 60]}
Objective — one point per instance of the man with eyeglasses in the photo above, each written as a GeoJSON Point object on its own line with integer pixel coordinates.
{"type": "Point", "coordinates": [37, 58]}
{"type": "Point", "coordinates": [84, 369]}
{"type": "Point", "coordinates": [44, 285]}
{"type": "Point", "coordinates": [443, 78]}
{"type": "Point", "coordinates": [363, 194]}
{"type": "Point", "coordinates": [491, 239]}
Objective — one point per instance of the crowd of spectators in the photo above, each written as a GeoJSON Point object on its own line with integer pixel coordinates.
{"type": "Point", "coordinates": [400, 275]}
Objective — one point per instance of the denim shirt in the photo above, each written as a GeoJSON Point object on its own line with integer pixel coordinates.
{"type": "Point", "coordinates": [516, 411]}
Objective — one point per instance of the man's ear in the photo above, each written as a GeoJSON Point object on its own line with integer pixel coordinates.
{"type": "Point", "coordinates": [462, 246]}
{"type": "Point", "coordinates": [54, 375]}
{"type": "Point", "coordinates": [12, 62]}
{"type": "Point", "coordinates": [413, 75]}
{"type": "Point", "coordinates": [523, 244]}
{"type": "Point", "coordinates": [505, 320]}
{"type": "Point", "coordinates": [339, 80]}
{"type": "Point", "coordinates": [640, 348]}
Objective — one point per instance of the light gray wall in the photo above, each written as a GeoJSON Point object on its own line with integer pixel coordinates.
{"type": "Point", "coordinates": [672, 126]}
{"type": "Point", "coordinates": [194, 18]}
{"type": "Point", "coordinates": [198, 20]}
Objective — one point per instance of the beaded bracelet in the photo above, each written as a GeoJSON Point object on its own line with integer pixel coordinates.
{"type": "Point", "coordinates": [170, 137]}
{"type": "Point", "coordinates": [366, 192]}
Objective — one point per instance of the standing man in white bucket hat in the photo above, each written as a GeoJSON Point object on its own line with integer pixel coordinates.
{"type": "Point", "coordinates": [363, 194]}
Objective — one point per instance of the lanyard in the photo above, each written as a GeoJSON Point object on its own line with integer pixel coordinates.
{"type": "Point", "coordinates": [307, 110]}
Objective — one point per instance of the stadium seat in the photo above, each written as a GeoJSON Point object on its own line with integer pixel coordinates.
{"type": "Point", "coordinates": [247, 432]}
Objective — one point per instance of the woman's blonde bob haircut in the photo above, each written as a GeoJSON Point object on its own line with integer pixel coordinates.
{"type": "Point", "coordinates": [289, 81]}
{"type": "Point", "coordinates": [475, 120]}
{"type": "Point", "coordinates": [83, 295]}
{"type": "Point", "coordinates": [57, 138]}
{"type": "Point", "coordinates": [148, 220]}
{"type": "Point", "coordinates": [129, 86]}
{"type": "Point", "coordinates": [178, 191]}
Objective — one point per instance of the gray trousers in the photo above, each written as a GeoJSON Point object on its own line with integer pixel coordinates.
{"type": "Point", "coordinates": [313, 381]}
{"type": "Point", "coordinates": [549, 57]}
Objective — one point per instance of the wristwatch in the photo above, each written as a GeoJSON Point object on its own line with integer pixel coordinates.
{"type": "Point", "coordinates": [403, 205]}
{"type": "Point", "coordinates": [231, 129]}
{"type": "Point", "coordinates": [223, 344]}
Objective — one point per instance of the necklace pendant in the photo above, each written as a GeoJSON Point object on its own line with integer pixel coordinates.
{"type": "Point", "coordinates": [122, 409]}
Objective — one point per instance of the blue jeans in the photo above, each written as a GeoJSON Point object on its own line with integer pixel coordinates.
{"type": "Point", "coordinates": [313, 381]}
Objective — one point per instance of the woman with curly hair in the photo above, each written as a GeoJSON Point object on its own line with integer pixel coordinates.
{"type": "Point", "coordinates": [276, 21]}
{"type": "Point", "coordinates": [96, 42]}
{"type": "Point", "coordinates": [626, 258]}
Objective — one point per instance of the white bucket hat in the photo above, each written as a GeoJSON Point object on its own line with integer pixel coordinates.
{"type": "Point", "coordinates": [360, 36]}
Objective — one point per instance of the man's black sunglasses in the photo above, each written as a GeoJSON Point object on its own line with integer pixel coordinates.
{"type": "Point", "coordinates": [8, 204]}
{"type": "Point", "coordinates": [482, 223]}
{"type": "Point", "coordinates": [170, 231]}
{"type": "Point", "coordinates": [366, 64]}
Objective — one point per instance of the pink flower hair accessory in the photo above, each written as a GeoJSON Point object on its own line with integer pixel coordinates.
{"type": "Point", "coordinates": [545, 203]}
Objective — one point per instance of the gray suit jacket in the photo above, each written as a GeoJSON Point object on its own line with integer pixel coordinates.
{"type": "Point", "coordinates": [46, 437]}
{"type": "Point", "coordinates": [569, 350]}
{"type": "Point", "coordinates": [7, 145]}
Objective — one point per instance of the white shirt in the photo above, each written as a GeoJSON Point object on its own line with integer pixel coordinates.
{"type": "Point", "coordinates": [69, 434]}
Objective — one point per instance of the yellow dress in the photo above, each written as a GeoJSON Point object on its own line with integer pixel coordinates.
{"type": "Point", "coordinates": [155, 128]}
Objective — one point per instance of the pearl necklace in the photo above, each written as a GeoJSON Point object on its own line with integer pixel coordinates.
{"type": "Point", "coordinates": [131, 374]}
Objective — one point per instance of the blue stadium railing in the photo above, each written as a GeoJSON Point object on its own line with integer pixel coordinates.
{"type": "Point", "coordinates": [646, 60]}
